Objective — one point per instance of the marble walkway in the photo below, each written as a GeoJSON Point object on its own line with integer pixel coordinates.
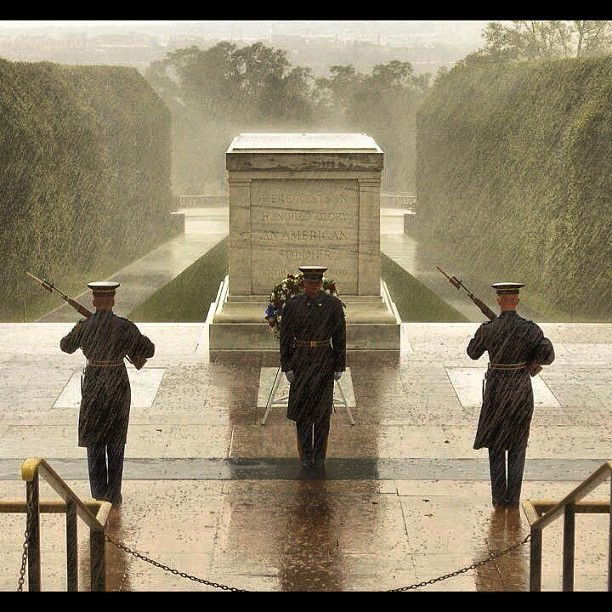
{"type": "Point", "coordinates": [204, 228]}
{"type": "Point", "coordinates": [405, 498]}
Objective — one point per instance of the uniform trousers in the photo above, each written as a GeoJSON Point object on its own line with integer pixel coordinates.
{"type": "Point", "coordinates": [506, 484]}
{"type": "Point", "coordinates": [105, 478]}
{"type": "Point", "coordinates": [312, 435]}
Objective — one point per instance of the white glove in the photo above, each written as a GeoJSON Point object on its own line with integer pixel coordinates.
{"type": "Point", "coordinates": [337, 375]}
{"type": "Point", "coordinates": [290, 376]}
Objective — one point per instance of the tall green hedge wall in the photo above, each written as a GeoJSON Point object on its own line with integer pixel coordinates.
{"type": "Point", "coordinates": [84, 176]}
{"type": "Point", "coordinates": [514, 178]}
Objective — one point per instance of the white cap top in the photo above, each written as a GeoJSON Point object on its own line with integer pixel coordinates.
{"type": "Point", "coordinates": [303, 142]}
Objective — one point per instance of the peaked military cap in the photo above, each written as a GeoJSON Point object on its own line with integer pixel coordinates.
{"type": "Point", "coordinates": [312, 273]}
{"type": "Point", "coordinates": [103, 288]}
{"type": "Point", "coordinates": [507, 288]}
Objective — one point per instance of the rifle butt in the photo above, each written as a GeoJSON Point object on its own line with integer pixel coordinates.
{"type": "Point", "coordinates": [79, 307]}
{"type": "Point", "coordinates": [534, 369]}
{"type": "Point", "coordinates": [486, 311]}
{"type": "Point", "coordinates": [138, 362]}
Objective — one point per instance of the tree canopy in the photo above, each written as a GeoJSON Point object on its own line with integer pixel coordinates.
{"type": "Point", "coordinates": [218, 92]}
{"type": "Point", "coordinates": [524, 40]}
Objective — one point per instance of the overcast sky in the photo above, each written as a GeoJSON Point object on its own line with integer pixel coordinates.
{"type": "Point", "coordinates": [354, 28]}
{"type": "Point", "coordinates": [221, 24]}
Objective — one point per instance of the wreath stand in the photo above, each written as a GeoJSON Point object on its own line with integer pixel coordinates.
{"type": "Point", "coordinates": [276, 401]}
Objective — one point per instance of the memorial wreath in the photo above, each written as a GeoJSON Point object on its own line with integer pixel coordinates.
{"type": "Point", "coordinates": [288, 288]}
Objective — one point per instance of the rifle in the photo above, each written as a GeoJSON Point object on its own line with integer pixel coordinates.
{"type": "Point", "coordinates": [455, 282]}
{"type": "Point", "coordinates": [137, 362]}
{"type": "Point", "coordinates": [533, 368]}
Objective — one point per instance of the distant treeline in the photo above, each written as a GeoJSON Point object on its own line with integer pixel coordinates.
{"type": "Point", "coordinates": [216, 93]}
{"type": "Point", "coordinates": [514, 180]}
{"type": "Point", "coordinates": [84, 175]}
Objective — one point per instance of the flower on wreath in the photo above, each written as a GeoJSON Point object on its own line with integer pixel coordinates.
{"type": "Point", "coordinates": [290, 287]}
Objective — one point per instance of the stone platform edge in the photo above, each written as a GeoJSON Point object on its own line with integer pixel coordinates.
{"type": "Point", "coordinates": [240, 326]}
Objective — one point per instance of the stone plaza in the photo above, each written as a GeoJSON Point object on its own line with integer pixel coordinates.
{"type": "Point", "coordinates": [211, 492]}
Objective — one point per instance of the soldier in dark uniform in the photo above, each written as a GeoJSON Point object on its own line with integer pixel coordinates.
{"type": "Point", "coordinates": [105, 340]}
{"type": "Point", "coordinates": [312, 355]}
{"type": "Point", "coordinates": [516, 346]}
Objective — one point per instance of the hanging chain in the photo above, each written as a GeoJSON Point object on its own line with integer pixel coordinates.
{"type": "Point", "coordinates": [464, 569]}
{"type": "Point", "coordinates": [171, 570]}
{"type": "Point", "coordinates": [217, 585]}
{"type": "Point", "coordinates": [224, 587]}
{"type": "Point", "coordinates": [24, 558]}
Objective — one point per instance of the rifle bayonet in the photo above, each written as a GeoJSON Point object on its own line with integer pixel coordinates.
{"type": "Point", "coordinates": [458, 284]}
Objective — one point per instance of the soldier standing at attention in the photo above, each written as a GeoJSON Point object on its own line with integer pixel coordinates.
{"type": "Point", "coordinates": [105, 340]}
{"type": "Point", "coordinates": [515, 347]}
{"type": "Point", "coordinates": [312, 355]}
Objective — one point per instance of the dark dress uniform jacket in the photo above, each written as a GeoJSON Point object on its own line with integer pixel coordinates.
{"type": "Point", "coordinates": [507, 405]}
{"type": "Point", "coordinates": [312, 392]}
{"type": "Point", "coordinates": [105, 401]}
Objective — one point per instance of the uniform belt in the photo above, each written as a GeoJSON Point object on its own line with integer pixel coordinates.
{"type": "Point", "coordinates": [104, 364]}
{"type": "Point", "coordinates": [312, 343]}
{"type": "Point", "coordinates": [508, 366]}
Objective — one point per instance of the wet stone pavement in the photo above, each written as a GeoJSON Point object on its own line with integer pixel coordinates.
{"type": "Point", "coordinates": [404, 497]}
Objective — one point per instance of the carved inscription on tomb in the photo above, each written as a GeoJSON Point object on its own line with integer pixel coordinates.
{"type": "Point", "coordinates": [304, 222]}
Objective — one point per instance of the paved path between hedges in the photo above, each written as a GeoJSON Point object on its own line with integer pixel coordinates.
{"type": "Point", "coordinates": [204, 228]}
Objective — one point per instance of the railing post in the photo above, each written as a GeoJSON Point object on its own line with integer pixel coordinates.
{"type": "Point", "coordinates": [33, 527]}
{"type": "Point", "coordinates": [96, 551]}
{"type": "Point", "coordinates": [535, 561]}
{"type": "Point", "coordinates": [569, 536]}
{"type": "Point", "coordinates": [72, 571]}
{"type": "Point", "coordinates": [610, 544]}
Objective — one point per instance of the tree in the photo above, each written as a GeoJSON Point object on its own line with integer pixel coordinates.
{"type": "Point", "coordinates": [216, 93]}
{"type": "Point", "coordinates": [259, 71]}
{"type": "Point", "coordinates": [593, 37]}
{"type": "Point", "coordinates": [333, 95]}
{"type": "Point", "coordinates": [383, 104]}
{"type": "Point", "coordinates": [295, 99]}
{"type": "Point", "coordinates": [543, 39]}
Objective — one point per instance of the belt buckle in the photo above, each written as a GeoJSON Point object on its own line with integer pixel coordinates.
{"type": "Point", "coordinates": [312, 343]}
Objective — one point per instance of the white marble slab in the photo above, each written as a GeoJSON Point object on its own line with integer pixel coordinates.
{"type": "Point", "coordinates": [467, 383]}
{"type": "Point", "coordinates": [266, 380]}
{"type": "Point", "coordinates": [280, 141]}
{"type": "Point", "coordinates": [144, 384]}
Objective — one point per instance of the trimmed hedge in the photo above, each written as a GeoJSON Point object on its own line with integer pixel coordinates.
{"type": "Point", "coordinates": [85, 176]}
{"type": "Point", "coordinates": [514, 178]}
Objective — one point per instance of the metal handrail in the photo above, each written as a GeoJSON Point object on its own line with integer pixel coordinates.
{"type": "Point", "coordinates": [569, 506]}
{"type": "Point", "coordinates": [36, 465]}
{"type": "Point", "coordinates": [582, 490]}
{"type": "Point", "coordinates": [31, 469]}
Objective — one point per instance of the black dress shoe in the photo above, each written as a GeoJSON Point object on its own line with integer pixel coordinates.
{"type": "Point", "coordinates": [318, 465]}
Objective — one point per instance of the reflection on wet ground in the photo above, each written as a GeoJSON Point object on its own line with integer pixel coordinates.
{"type": "Point", "coordinates": [404, 498]}
{"type": "Point", "coordinates": [310, 559]}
